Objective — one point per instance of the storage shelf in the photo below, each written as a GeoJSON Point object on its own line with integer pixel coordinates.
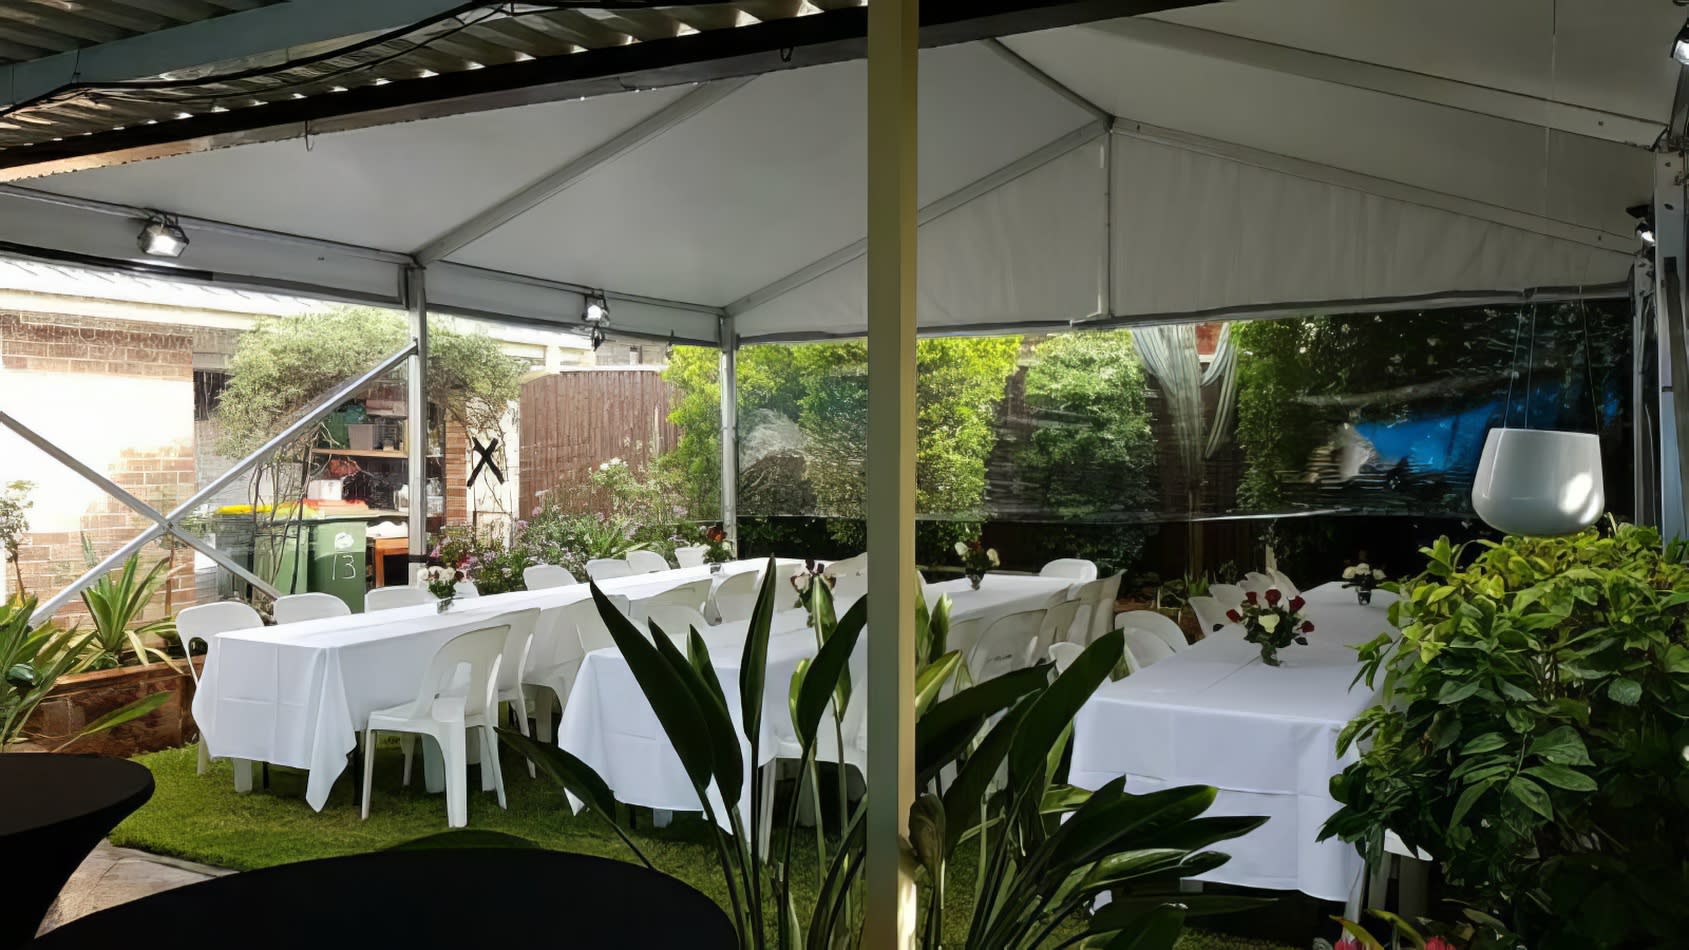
{"type": "Point", "coordinates": [362, 453]}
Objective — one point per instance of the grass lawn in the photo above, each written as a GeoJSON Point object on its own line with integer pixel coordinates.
{"type": "Point", "coordinates": [201, 818]}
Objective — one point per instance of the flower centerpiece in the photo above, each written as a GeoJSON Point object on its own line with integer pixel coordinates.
{"type": "Point", "coordinates": [1363, 577]}
{"type": "Point", "coordinates": [977, 559]}
{"type": "Point", "coordinates": [1272, 621]}
{"type": "Point", "coordinates": [804, 580]}
{"type": "Point", "coordinates": [441, 581]}
{"type": "Point", "coordinates": [717, 549]}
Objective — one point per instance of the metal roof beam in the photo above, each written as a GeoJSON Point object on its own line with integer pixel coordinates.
{"type": "Point", "coordinates": [524, 199]}
{"type": "Point", "coordinates": [1406, 84]}
{"type": "Point", "coordinates": [265, 31]}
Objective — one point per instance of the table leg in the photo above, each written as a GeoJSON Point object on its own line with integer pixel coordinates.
{"type": "Point", "coordinates": [661, 818]}
{"type": "Point", "coordinates": [243, 775]}
{"type": "Point", "coordinates": [1352, 907]}
{"type": "Point", "coordinates": [433, 766]}
{"type": "Point", "coordinates": [1411, 880]}
{"type": "Point", "coordinates": [1378, 887]}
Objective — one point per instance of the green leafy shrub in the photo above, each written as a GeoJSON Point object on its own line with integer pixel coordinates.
{"type": "Point", "coordinates": [1531, 736]}
{"type": "Point", "coordinates": [116, 601]}
{"type": "Point", "coordinates": [14, 523]}
{"type": "Point", "coordinates": [484, 558]}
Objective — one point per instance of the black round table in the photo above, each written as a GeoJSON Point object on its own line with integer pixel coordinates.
{"type": "Point", "coordinates": [53, 810]}
{"type": "Point", "coordinates": [447, 898]}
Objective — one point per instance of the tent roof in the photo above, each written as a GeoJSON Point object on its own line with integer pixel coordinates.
{"type": "Point", "coordinates": [1228, 158]}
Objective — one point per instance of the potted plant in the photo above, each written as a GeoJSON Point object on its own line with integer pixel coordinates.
{"type": "Point", "coordinates": [977, 560]}
{"type": "Point", "coordinates": [1271, 621]}
{"type": "Point", "coordinates": [441, 581]}
{"type": "Point", "coordinates": [1363, 577]}
{"type": "Point", "coordinates": [718, 550]}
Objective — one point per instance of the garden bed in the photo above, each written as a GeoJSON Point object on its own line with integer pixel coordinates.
{"type": "Point", "coordinates": [81, 698]}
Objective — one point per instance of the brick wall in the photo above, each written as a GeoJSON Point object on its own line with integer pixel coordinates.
{"type": "Point", "coordinates": [119, 397]}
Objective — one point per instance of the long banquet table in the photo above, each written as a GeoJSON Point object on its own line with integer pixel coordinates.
{"type": "Point", "coordinates": [297, 694]}
{"type": "Point", "coordinates": [608, 724]}
{"type": "Point", "coordinates": [1265, 737]}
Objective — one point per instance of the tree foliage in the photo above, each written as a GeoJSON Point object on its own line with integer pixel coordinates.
{"type": "Point", "coordinates": [285, 364]}
{"type": "Point", "coordinates": [1092, 450]}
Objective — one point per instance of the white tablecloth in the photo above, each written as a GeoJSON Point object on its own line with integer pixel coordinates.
{"type": "Point", "coordinates": [298, 694]}
{"type": "Point", "coordinates": [609, 725]}
{"type": "Point", "coordinates": [1265, 737]}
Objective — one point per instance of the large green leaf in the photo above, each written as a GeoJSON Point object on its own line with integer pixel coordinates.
{"type": "Point", "coordinates": [1056, 706]}
{"type": "Point", "coordinates": [726, 758]}
{"type": "Point", "coordinates": [753, 663]}
{"type": "Point", "coordinates": [1157, 929]}
{"type": "Point", "coordinates": [966, 794]}
{"type": "Point", "coordinates": [670, 695]}
{"type": "Point", "coordinates": [930, 680]}
{"type": "Point", "coordinates": [576, 777]}
{"type": "Point", "coordinates": [977, 703]}
{"type": "Point", "coordinates": [1124, 908]}
{"type": "Point", "coordinates": [821, 675]}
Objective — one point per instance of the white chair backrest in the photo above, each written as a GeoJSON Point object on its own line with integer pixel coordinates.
{"type": "Point", "coordinates": [846, 567]}
{"type": "Point", "coordinates": [518, 644]}
{"type": "Point", "coordinates": [1058, 625]}
{"type": "Point", "coordinates": [1160, 625]}
{"type": "Point", "coordinates": [204, 621]}
{"type": "Point", "coordinates": [1006, 645]}
{"type": "Point", "coordinates": [1090, 596]}
{"type": "Point", "coordinates": [554, 640]}
{"type": "Point", "coordinates": [542, 576]}
{"type": "Point", "coordinates": [737, 596]}
{"type": "Point", "coordinates": [677, 621]}
{"type": "Point", "coordinates": [1284, 583]}
{"type": "Point", "coordinates": [690, 594]}
{"type": "Point", "coordinates": [1063, 655]}
{"type": "Point", "coordinates": [1229, 595]}
{"type": "Point", "coordinates": [292, 608]}
{"type": "Point", "coordinates": [466, 589]}
{"type": "Point", "coordinates": [1144, 649]}
{"type": "Point", "coordinates": [646, 562]}
{"type": "Point", "coordinates": [387, 598]}
{"type": "Point", "coordinates": [589, 626]}
{"type": "Point", "coordinates": [1075, 567]}
{"type": "Point", "coordinates": [691, 556]}
{"type": "Point", "coordinates": [479, 650]}
{"type": "Point", "coordinates": [847, 590]}
{"type": "Point", "coordinates": [1255, 581]}
{"type": "Point", "coordinates": [1210, 614]}
{"type": "Point", "coordinates": [1102, 617]}
{"type": "Point", "coordinates": [604, 568]}
{"type": "Point", "coordinates": [964, 635]}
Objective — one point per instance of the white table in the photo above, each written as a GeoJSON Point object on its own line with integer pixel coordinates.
{"type": "Point", "coordinates": [1265, 737]}
{"type": "Point", "coordinates": [298, 694]}
{"type": "Point", "coordinates": [609, 725]}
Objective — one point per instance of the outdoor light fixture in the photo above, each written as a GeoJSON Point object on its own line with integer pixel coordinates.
{"type": "Point", "coordinates": [162, 236]}
{"type": "Point", "coordinates": [1680, 46]}
{"type": "Point", "coordinates": [597, 316]}
{"type": "Point", "coordinates": [1644, 215]}
{"type": "Point", "coordinates": [1540, 482]}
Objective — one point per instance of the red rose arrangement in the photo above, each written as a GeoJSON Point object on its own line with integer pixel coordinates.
{"type": "Point", "coordinates": [1271, 620]}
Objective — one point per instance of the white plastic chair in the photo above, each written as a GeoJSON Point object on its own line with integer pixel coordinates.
{"type": "Point", "coordinates": [1102, 614]}
{"type": "Point", "coordinates": [589, 626]}
{"type": "Point", "coordinates": [1228, 595]}
{"type": "Point", "coordinates": [677, 621]}
{"type": "Point", "coordinates": [1006, 645]}
{"type": "Point", "coordinates": [1210, 614]}
{"type": "Point", "coordinates": [292, 608]}
{"type": "Point", "coordinates": [465, 589]}
{"type": "Point", "coordinates": [542, 576]}
{"type": "Point", "coordinates": [1143, 649]}
{"type": "Point", "coordinates": [1090, 596]}
{"type": "Point", "coordinates": [1075, 567]}
{"type": "Point", "coordinates": [604, 568]}
{"type": "Point", "coordinates": [203, 622]}
{"type": "Point", "coordinates": [553, 660]}
{"type": "Point", "coordinates": [735, 597]}
{"type": "Point", "coordinates": [447, 703]}
{"type": "Point", "coordinates": [847, 590]}
{"type": "Point", "coordinates": [646, 562]}
{"type": "Point", "coordinates": [691, 594]}
{"type": "Point", "coordinates": [846, 567]}
{"type": "Point", "coordinates": [513, 664]}
{"type": "Point", "coordinates": [964, 635]}
{"type": "Point", "coordinates": [1058, 625]}
{"type": "Point", "coordinates": [1160, 625]}
{"type": "Point", "coordinates": [388, 598]}
{"type": "Point", "coordinates": [1063, 655]}
{"type": "Point", "coordinates": [692, 556]}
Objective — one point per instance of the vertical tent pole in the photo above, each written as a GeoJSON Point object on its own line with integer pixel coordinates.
{"type": "Point", "coordinates": [729, 430]}
{"type": "Point", "coordinates": [893, 29]}
{"type": "Point", "coordinates": [1669, 271]}
{"type": "Point", "coordinates": [416, 411]}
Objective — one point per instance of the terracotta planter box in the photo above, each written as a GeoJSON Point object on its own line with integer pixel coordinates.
{"type": "Point", "coordinates": [80, 699]}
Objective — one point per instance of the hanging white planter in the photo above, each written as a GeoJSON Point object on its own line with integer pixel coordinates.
{"type": "Point", "coordinates": [1539, 482]}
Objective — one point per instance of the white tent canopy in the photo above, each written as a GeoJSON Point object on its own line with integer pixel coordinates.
{"type": "Point", "coordinates": [1248, 157]}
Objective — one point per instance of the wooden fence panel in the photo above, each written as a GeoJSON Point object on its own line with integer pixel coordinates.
{"type": "Point", "coordinates": [577, 419]}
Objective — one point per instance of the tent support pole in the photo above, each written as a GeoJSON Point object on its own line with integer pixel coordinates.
{"type": "Point", "coordinates": [893, 38]}
{"type": "Point", "coordinates": [416, 413]}
{"type": "Point", "coordinates": [729, 431]}
{"type": "Point", "coordinates": [1670, 259]}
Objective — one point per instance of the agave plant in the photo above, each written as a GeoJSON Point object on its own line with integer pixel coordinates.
{"type": "Point", "coordinates": [1045, 848]}
{"type": "Point", "coordinates": [115, 601]}
{"type": "Point", "coordinates": [33, 660]}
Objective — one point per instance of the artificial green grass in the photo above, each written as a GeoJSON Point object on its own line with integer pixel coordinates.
{"type": "Point", "coordinates": [201, 818]}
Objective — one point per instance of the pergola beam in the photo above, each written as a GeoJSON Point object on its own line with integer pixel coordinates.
{"type": "Point", "coordinates": [550, 185]}
{"type": "Point", "coordinates": [266, 32]}
{"type": "Point", "coordinates": [1401, 83]}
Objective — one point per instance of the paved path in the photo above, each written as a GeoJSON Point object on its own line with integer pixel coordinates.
{"type": "Point", "coordinates": [112, 875]}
